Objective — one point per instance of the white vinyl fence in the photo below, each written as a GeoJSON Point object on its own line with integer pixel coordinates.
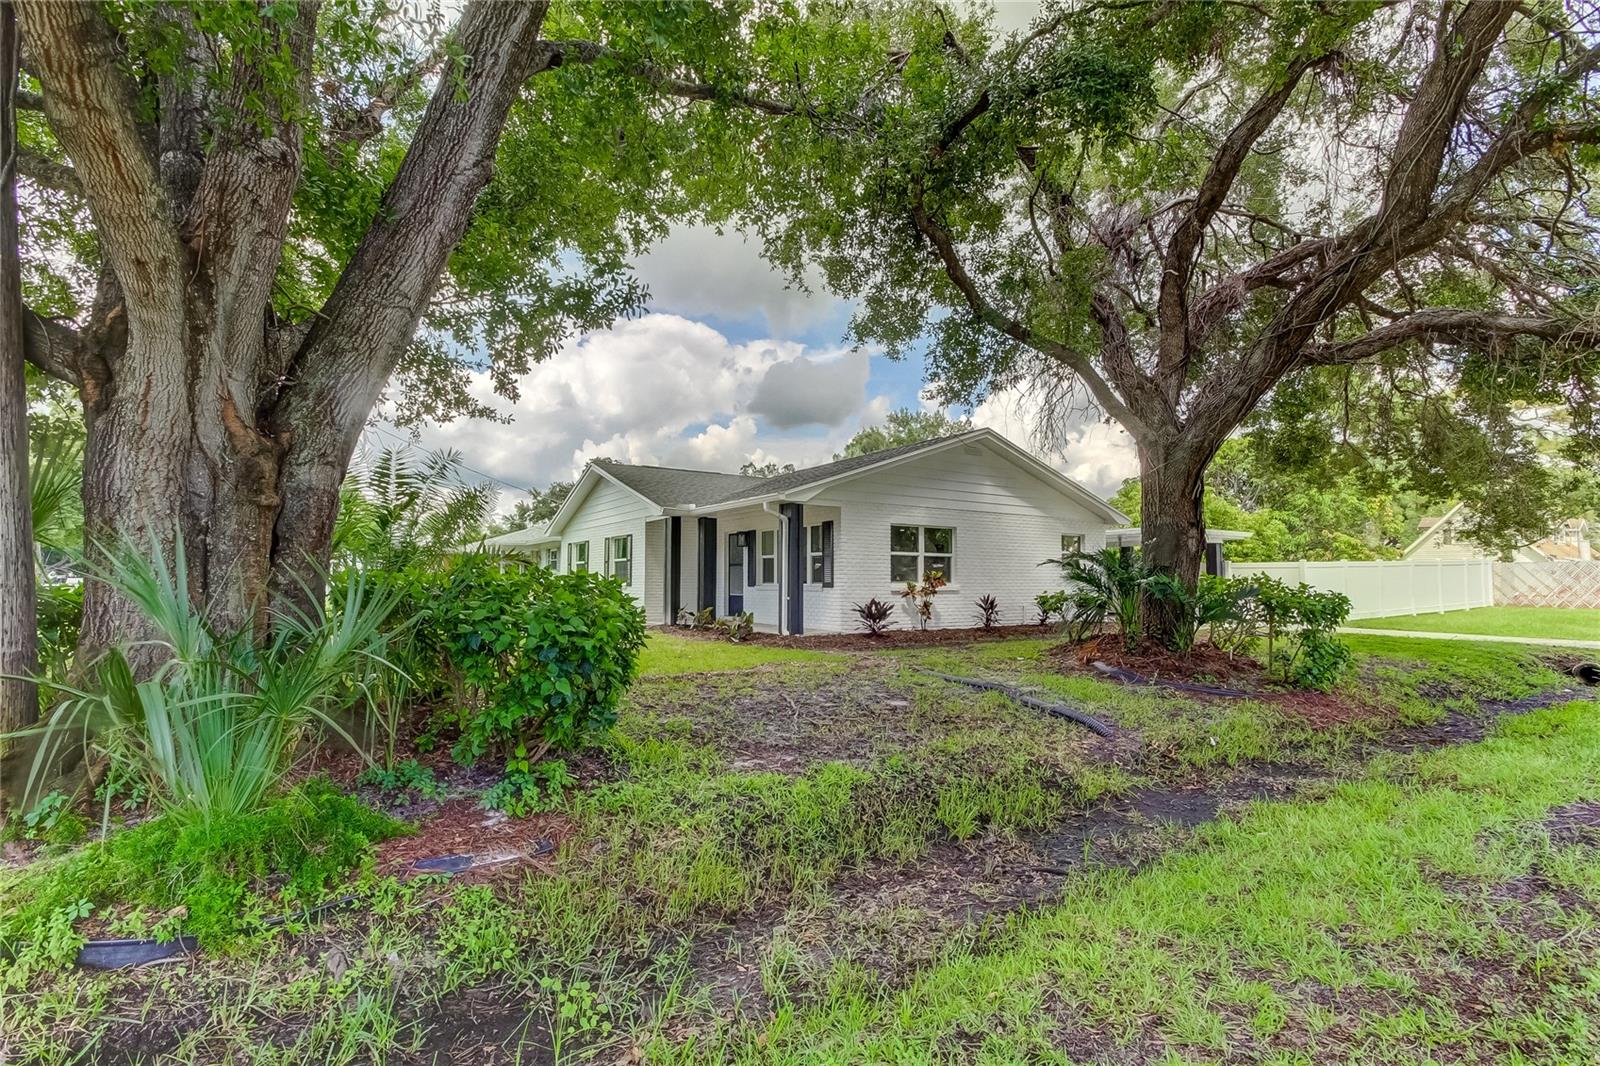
{"type": "Point", "coordinates": [1391, 587]}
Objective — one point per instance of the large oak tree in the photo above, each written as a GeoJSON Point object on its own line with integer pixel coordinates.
{"type": "Point", "coordinates": [239, 214]}
{"type": "Point", "coordinates": [1162, 211]}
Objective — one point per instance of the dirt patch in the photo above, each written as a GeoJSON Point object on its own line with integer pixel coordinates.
{"type": "Point", "coordinates": [790, 726]}
{"type": "Point", "coordinates": [460, 827]}
{"type": "Point", "coordinates": [1575, 823]}
{"type": "Point", "coordinates": [893, 638]}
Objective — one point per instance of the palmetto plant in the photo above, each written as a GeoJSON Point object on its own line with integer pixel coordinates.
{"type": "Point", "coordinates": [214, 729]}
{"type": "Point", "coordinates": [403, 510]}
{"type": "Point", "coordinates": [1106, 588]}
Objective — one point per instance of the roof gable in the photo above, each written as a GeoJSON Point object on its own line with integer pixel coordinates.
{"type": "Point", "coordinates": [675, 488]}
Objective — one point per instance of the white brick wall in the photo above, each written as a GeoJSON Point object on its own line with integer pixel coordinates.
{"type": "Point", "coordinates": [1006, 522]}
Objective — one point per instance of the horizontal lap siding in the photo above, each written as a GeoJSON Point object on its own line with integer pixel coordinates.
{"type": "Point", "coordinates": [1006, 522]}
{"type": "Point", "coordinates": [612, 511]}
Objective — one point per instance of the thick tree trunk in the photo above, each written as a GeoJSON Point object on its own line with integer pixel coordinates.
{"type": "Point", "coordinates": [19, 633]}
{"type": "Point", "coordinates": [207, 419]}
{"type": "Point", "coordinates": [1171, 499]}
{"type": "Point", "coordinates": [18, 621]}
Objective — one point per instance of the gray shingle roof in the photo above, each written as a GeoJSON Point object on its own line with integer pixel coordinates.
{"type": "Point", "coordinates": [670, 487]}
{"type": "Point", "coordinates": [799, 479]}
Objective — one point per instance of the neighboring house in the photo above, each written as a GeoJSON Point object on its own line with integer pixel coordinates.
{"type": "Point", "coordinates": [1442, 538]}
{"type": "Point", "coordinates": [534, 542]}
{"type": "Point", "coordinates": [798, 550]}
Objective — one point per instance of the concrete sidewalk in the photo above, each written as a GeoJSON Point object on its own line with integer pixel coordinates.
{"type": "Point", "coordinates": [1543, 642]}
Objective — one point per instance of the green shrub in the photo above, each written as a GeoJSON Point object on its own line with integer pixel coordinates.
{"type": "Point", "coordinates": [1051, 605]}
{"type": "Point", "coordinates": [541, 659]}
{"type": "Point", "coordinates": [1106, 588]}
{"type": "Point", "coordinates": [407, 776]}
{"type": "Point", "coordinates": [226, 874]}
{"type": "Point", "coordinates": [1315, 659]}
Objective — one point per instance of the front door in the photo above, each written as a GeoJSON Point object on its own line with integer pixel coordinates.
{"type": "Point", "coordinates": [735, 573]}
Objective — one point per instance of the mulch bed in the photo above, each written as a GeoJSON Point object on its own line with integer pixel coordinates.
{"type": "Point", "coordinates": [462, 827]}
{"type": "Point", "coordinates": [1206, 664]}
{"type": "Point", "coordinates": [893, 638]}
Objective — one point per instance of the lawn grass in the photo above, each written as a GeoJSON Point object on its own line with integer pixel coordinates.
{"type": "Point", "coordinates": [736, 822]}
{"type": "Point", "coordinates": [1534, 623]}
{"type": "Point", "coordinates": [1405, 917]}
{"type": "Point", "coordinates": [667, 654]}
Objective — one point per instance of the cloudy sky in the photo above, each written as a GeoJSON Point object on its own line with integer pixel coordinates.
{"type": "Point", "coordinates": [729, 365]}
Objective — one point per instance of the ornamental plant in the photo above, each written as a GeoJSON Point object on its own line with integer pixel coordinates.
{"type": "Point", "coordinates": [539, 660]}
{"type": "Point", "coordinates": [919, 595]}
{"type": "Point", "coordinates": [1315, 659]}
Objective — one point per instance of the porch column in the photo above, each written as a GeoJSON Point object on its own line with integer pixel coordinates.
{"type": "Point", "coordinates": [708, 564]}
{"type": "Point", "coordinates": [791, 516]}
{"type": "Point", "coordinates": [674, 568]}
{"type": "Point", "coordinates": [1214, 558]}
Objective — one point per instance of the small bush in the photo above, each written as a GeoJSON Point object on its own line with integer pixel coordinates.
{"type": "Point", "coordinates": [1106, 588]}
{"type": "Point", "coordinates": [1320, 662]}
{"type": "Point", "coordinates": [920, 595]}
{"type": "Point", "coordinates": [225, 873]}
{"type": "Point", "coordinates": [541, 659]}
{"type": "Point", "coordinates": [1051, 605]}
{"type": "Point", "coordinates": [737, 627]}
{"type": "Point", "coordinates": [988, 611]}
{"type": "Point", "coordinates": [704, 618]}
{"type": "Point", "coordinates": [212, 733]}
{"type": "Point", "coordinates": [527, 789]}
{"type": "Point", "coordinates": [1314, 615]}
{"type": "Point", "coordinates": [874, 616]}
{"type": "Point", "coordinates": [405, 777]}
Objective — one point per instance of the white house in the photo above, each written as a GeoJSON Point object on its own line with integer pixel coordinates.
{"type": "Point", "coordinates": [799, 549]}
{"type": "Point", "coordinates": [1443, 538]}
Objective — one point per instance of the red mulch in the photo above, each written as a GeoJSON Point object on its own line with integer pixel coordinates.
{"type": "Point", "coordinates": [462, 827]}
{"type": "Point", "coordinates": [893, 638]}
{"type": "Point", "coordinates": [1206, 664]}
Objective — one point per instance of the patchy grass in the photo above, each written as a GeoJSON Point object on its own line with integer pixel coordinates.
{"type": "Point", "coordinates": [666, 654]}
{"type": "Point", "coordinates": [1535, 623]}
{"type": "Point", "coordinates": [1396, 920]}
{"type": "Point", "coordinates": [836, 858]}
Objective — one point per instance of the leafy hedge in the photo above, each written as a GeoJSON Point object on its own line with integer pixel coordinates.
{"type": "Point", "coordinates": [540, 660]}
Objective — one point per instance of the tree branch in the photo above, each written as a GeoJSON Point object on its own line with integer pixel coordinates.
{"type": "Point", "coordinates": [956, 271]}
{"type": "Point", "coordinates": [1177, 264]}
{"type": "Point", "coordinates": [355, 126]}
{"type": "Point", "coordinates": [52, 346]}
{"type": "Point", "coordinates": [557, 53]}
{"type": "Point", "coordinates": [1456, 325]}
{"type": "Point", "coordinates": [47, 172]}
{"type": "Point", "coordinates": [89, 102]}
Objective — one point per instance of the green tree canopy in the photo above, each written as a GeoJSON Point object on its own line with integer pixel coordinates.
{"type": "Point", "coordinates": [1167, 211]}
{"type": "Point", "coordinates": [903, 426]}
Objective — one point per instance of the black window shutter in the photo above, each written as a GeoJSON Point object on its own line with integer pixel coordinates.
{"type": "Point", "coordinates": [827, 555]}
{"type": "Point", "coordinates": [750, 557]}
{"type": "Point", "coordinates": [607, 570]}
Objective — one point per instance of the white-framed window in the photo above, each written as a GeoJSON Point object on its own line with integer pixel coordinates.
{"type": "Point", "coordinates": [619, 558]}
{"type": "Point", "coordinates": [551, 557]}
{"type": "Point", "coordinates": [816, 572]}
{"type": "Point", "coordinates": [1071, 544]}
{"type": "Point", "coordinates": [577, 556]}
{"type": "Point", "coordinates": [918, 550]}
{"type": "Point", "coordinates": [769, 556]}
